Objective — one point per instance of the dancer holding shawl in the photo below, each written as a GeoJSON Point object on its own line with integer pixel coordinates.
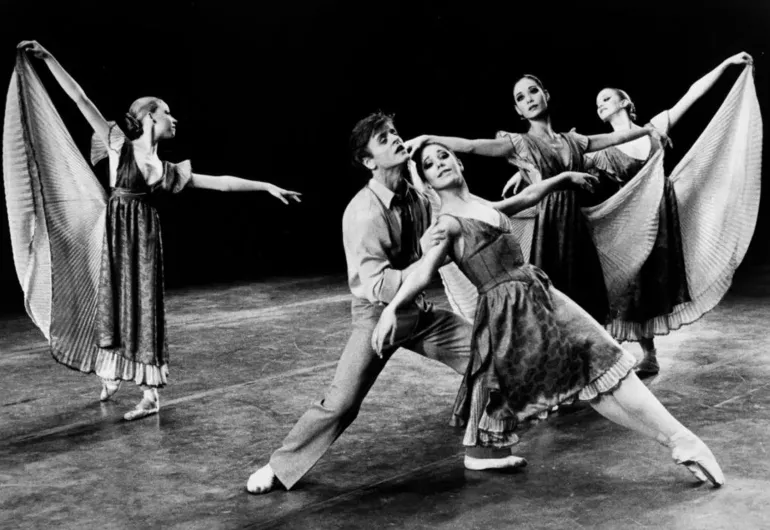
{"type": "Point", "coordinates": [91, 267]}
{"type": "Point", "coordinates": [661, 284]}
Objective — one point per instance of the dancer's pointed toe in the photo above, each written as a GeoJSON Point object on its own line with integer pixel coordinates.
{"type": "Point", "coordinates": [690, 451]}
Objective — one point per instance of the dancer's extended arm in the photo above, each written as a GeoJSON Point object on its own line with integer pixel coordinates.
{"type": "Point", "coordinates": [536, 192]}
{"type": "Point", "coordinates": [597, 142]}
{"type": "Point", "coordinates": [228, 183]}
{"type": "Point", "coordinates": [71, 87]}
{"type": "Point", "coordinates": [498, 147]}
{"type": "Point", "coordinates": [701, 86]}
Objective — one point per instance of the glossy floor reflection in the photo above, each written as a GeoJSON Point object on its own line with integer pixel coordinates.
{"type": "Point", "coordinates": [248, 359]}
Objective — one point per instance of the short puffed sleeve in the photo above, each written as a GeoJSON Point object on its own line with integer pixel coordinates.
{"type": "Point", "coordinates": [100, 150]}
{"type": "Point", "coordinates": [580, 140]}
{"type": "Point", "coordinates": [515, 138]}
{"type": "Point", "coordinates": [177, 176]}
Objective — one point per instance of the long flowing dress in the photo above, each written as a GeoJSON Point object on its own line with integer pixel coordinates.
{"type": "Point", "coordinates": [661, 284]}
{"type": "Point", "coordinates": [131, 323]}
{"type": "Point", "coordinates": [532, 346]}
{"type": "Point", "coordinates": [716, 186]}
{"type": "Point", "coordinates": [561, 243]}
{"type": "Point", "coordinates": [74, 259]}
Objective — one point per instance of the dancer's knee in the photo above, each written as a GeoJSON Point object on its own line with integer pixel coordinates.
{"type": "Point", "coordinates": [341, 405]}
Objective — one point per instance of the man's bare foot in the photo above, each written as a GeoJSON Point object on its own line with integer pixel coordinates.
{"type": "Point", "coordinates": [508, 462]}
{"type": "Point", "coordinates": [261, 481]}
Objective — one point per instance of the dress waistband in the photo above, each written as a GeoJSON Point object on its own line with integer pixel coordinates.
{"type": "Point", "coordinates": [524, 273]}
{"type": "Point", "coordinates": [130, 194]}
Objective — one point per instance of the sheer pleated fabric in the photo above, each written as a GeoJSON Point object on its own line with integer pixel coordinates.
{"type": "Point", "coordinates": [56, 212]}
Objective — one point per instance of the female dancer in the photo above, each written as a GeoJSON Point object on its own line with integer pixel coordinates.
{"type": "Point", "coordinates": [130, 325]}
{"type": "Point", "coordinates": [532, 347]}
{"type": "Point", "coordinates": [562, 244]}
{"type": "Point", "coordinates": [662, 282]}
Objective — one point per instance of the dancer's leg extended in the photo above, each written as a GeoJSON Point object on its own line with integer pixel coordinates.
{"type": "Point", "coordinates": [322, 424]}
{"type": "Point", "coordinates": [438, 335]}
{"type": "Point", "coordinates": [634, 406]}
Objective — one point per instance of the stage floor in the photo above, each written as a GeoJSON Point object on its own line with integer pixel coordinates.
{"type": "Point", "coordinates": [248, 359]}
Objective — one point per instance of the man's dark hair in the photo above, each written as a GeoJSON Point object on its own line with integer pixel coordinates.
{"type": "Point", "coordinates": [362, 133]}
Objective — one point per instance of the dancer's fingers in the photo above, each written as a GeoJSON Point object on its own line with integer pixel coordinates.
{"type": "Point", "coordinates": [379, 342]}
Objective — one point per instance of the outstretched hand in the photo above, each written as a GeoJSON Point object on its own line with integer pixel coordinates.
{"type": "Point", "coordinates": [584, 181]}
{"type": "Point", "coordinates": [283, 195]}
{"type": "Point", "coordinates": [34, 47]}
{"type": "Point", "coordinates": [385, 330]}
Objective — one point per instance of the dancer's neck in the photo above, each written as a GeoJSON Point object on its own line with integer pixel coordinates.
{"type": "Point", "coordinates": [542, 127]}
{"type": "Point", "coordinates": [454, 198]}
{"type": "Point", "coordinates": [145, 145]}
{"type": "Point", "coordinates": [622, 122]}
{"type": "Point", "coordinates": [392, 178]}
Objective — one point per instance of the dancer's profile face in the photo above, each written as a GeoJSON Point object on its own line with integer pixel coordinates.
{"type": "Point", "coordinates": [440, 167]}
{"type": "Point", "coordinates": [386, 148]}
{"type": "Point", "coordinates": [608, 102]}
{"type": "Point", "coordinates": [530, 100]}
{"type": "Point", "coordinates": [165, 123]}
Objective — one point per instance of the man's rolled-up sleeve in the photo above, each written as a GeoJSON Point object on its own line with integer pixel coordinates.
{"type": "Point", "coordinates": [366, 238]}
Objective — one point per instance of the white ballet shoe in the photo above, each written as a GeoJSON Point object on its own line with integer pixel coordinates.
{"type": "Point", "coordinates": [109, 388]}
{"type": "Point", "coordinates": [261, 481]}
{"type": "Point", "coordinates": [507, 462]}
{"type": "Point", "coordinates": [146, 407]}
{"type": "Point", "coordinates": [690, 451]}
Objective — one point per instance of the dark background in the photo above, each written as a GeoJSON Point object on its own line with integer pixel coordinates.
{"type": "Point", "coordinates": [270, 92]}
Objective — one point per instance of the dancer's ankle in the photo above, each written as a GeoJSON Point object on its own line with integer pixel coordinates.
{"type": "Point", "coordinates": [648, 347]}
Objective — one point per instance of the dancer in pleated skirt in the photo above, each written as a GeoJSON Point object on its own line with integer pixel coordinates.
{"type": "Point", "coordinates": [661, 285]}
{"type": "Point", "coordinates": [105, 310]}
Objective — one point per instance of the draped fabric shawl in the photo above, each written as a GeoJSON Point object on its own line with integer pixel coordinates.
{"type": "Point", "coordinates": [56, 213]}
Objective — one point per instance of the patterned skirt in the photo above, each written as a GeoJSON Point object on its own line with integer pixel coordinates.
{"type": "Point", "coordinates": [533, 348]}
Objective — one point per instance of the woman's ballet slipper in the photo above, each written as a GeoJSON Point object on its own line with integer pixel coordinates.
{"type": "Point", "coordinates": [690, 451]}
{"type": "Point", "coordinates": [146, 407]}
{"type": "Point", "coordinates": [648, 367]}
{"type": "Point", "coordinates": [261, 481]}
{"type": "Point", "coordinates": [109, 388]}
{"type": "Point", "coordinates": [480, 464]}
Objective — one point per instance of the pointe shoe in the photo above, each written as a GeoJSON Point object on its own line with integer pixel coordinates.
{"type": "Point", "coordinates": [146, 407]}
{"type": "Point", "coordinates": [261, 481]}
{"type": "Point", "coordinates": [109, 388]}
{"type": "Point", "coordinates": [481, 464]}
{"type": "Point", "coordinates": [690, 451]}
